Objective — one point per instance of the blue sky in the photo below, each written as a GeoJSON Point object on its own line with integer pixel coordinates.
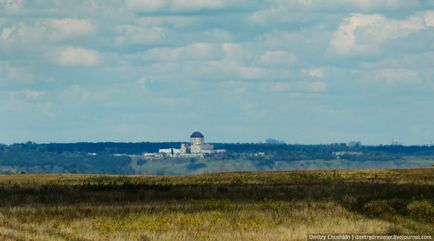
{"type": "Point", "coordinates": [304, 71]}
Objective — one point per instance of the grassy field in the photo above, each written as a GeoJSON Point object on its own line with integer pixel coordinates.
{"type": "Point", "coordinates": [232, 206]}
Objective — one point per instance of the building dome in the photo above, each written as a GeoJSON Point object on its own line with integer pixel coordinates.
{"type": "Point", "coordinates": [196, 134]}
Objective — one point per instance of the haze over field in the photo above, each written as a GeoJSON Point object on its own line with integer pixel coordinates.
{"type": "Point", "coordinates": [239, 70]}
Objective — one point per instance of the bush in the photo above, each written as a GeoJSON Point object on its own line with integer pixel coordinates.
{"type": "Point", "coordinates": [195, 166]}
{"type": "Point", "coordinates": [421, 209]}
{"type": "Point", "coordinates": [394, 230]}
{"type": "Point", "coordinates": [144, 238]}
{"type": "Point", "coordinates": [349, 202]}
{"type": "Point", "coordinates": [141, 162]}
{"type": "Point", "coordinates": [378, 208]}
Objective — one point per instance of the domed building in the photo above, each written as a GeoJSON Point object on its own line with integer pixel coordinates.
{"type": "Point", "coordinates": [198, 145]}
{"type": "Point", "coordinates": [197, 138]}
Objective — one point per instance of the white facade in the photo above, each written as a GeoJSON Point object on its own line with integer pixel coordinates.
{"type": "Point", "coordinates": [196, 147]}
{"type": "Point", "coordinates": [170, 151]}
{"type": "Point", "coordinates": [197, 141]}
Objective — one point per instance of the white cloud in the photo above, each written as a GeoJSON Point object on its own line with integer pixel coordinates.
{"type": "Point", "coordinates": [43, 32]}
{"type": "Point", "coordinates": [18, 34]}
{"type": "Point", "coordinates": [77, 93]}
{"type": "Point", "coordinates": [277, 58]}
{"type": "Point", "coordinates": [195, 51]}
{"type": "Point", "coordinates": [220, 35]}
{"type": "Point", "coordinates": [314, 72]}
{"type": "Point", "coordinates": [146, 6]}
{"type": "Point", "coordinates": [250, 72]}
{"type": "Point", "coordinates": [317, 86]}
{"type": "Point", "coordinates": [59, 29]}
{"type": "Point", "coordinates": [171, 21]}
{"type": "Point", "coordinates": [196, 4]}
{"type": "Point", "coordinates": [144, 82]}
{"type": "Point", "coordinates": [241, 53]}
{"type": "Point", "coordinates": [237, 60]}
{"type": "Point", "coordinates": [173, 5]}
{"type": "Point", "coordinates": [232, 50]}
{"type": "Point", "coordinates": [298, 86]}
{"type": "Point", "coordinates": [239, 69]}
{"type": "Point", "coordinates": [34, 94]}
{"type": "Point", "coordinates": [236, 69]}
{"type": "Point", "coordinates": [429, 18]}
{"type": "Point", "coordinates": [365, 34]}
{"type": "Point", "coordinates": [369, 5]}
{"type": "Point", "coordinates": [289, 11]}
{"type": "Point", "coordinates": [147, 85]}
{"type": "Point", "coordinates": [47, 109]}
{"type": "Point", "coordinates": [23, 97]}
{"type": "Point", "coordinates": [74, 56]}
{"type": "Point", "coordinates": [9, 72]}
{"type": "Point", "coordinates": [392, 76]}
{"type": "Point", "coordinates": [416, 60]}
{"type": "Point", "coordinates": [28, 101]}
{"type": "Point", "coordinates": [11, 4]}
{"type": "Point", "coordinates": [213, 59]}
{"type": "Point", "coordinates": [280, 86]}
{"type": "Point", "coordinates": [131, 34]}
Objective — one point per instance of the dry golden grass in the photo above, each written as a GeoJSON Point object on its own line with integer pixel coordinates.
{"type": "Point", "coordinates": [273, 220]}
{"type": "Point", "coordinates": [224, 207]}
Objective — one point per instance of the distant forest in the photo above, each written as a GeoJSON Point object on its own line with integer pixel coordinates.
{"type": "Point", "coordinates": [100, 157]}
{"type": "Point", "coordinates": [141, 147]}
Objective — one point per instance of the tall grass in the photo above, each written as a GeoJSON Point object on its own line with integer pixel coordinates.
{"type": "Point", "coordinates": [233, 206]}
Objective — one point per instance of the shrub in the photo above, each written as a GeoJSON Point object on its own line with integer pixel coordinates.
{"type": "Point", "coordinates": [144, 238]}
{"type": "Point", "coordinates": [195, 166]}
{"type": "Point", "coordinates": [421, 209]}
{"type": "Point", "coordinates": [394, 229]}
{"type": "Point", "coordinates": [378, 208]}
{"type": "Point", "coordinates": [141, 162]}
{"type": "Point", "coordinates": [349, 202]}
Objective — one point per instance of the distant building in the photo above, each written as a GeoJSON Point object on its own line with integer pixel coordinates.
{"type": "Point", "coordinates": [396, 142]}
{"type": "Point", "coordinates": [170, 151]}
{"type": "Point", "coordinates": [354, 144]}
{"type": "Point", "coordinates": [197, 146]}
{"type": "Point", "coordinates": [339, 154]}
{"type": "Point", "coordinates": [274, 141]}
{"type": "Point", "coordinates": [184, 149]}
{"type": "Point", "coordinates": [152, 155]}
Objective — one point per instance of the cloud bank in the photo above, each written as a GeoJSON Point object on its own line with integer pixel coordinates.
{"type": "Point", "coordinates": [237, 70]}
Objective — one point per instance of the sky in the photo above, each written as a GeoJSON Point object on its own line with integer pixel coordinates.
{"type": "Point", "coordinates": [302, 71]}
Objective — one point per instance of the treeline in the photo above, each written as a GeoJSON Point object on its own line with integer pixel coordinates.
{"type": "Point", "coordinates": [33, 158]}
{"type": "Point", "coordinates": [141, 147]}
{"type": "Point", "coordinates": [100, 157]}
{"type": "Point", "coordinates": [325, 148]}
{"type": "Point", "coordinates": [95, 147]}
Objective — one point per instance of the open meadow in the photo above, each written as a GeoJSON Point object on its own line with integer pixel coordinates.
{"type": "Point", "coordinates": [233, 206]}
